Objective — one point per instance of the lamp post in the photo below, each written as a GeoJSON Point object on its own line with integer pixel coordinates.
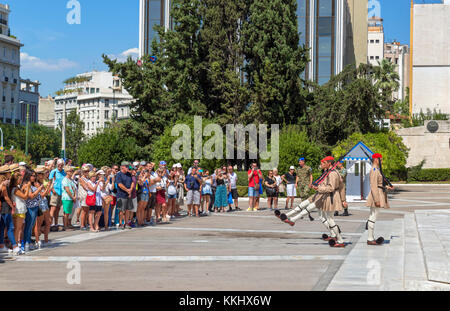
{"type": "Point", "coordinates": [26, 128]}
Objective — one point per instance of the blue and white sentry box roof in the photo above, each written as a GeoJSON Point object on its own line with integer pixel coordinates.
{"type": "Point", "coordinates": [357, 153]}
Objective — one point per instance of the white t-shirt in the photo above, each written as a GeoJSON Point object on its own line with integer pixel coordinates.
{"type": "Point", "coordinates": [162, 183]}
{"type": "Point", "coordinates": [278, 179]}
{"type": "Point", "coordinates": [233, 180]}
{"type": "Point", "coordinates": [98, 194]}
{"type": "Point", "coordinates": [21, 208]}
{"type": "Point", "coordinates": [152, 188]}
{"type": "Point", "coordinates": [105, 192]}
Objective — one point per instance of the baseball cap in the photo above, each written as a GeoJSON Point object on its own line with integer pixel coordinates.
{"type": "Point", "coordinates": [125, 163]}
{"type": "Point", "coordinates": [292, 168]}
{"type": "Point", "coordinates": [100, 172]}
{"type": "Point", "coordinates": [301, 159]}
{"type": "Point", "coordinates": [162, 163]}
{"type": "Point", "coordinates": [135, 163]}
{"type": "Point", "coordinates": [143, 163]}
{"type": "Point", "coordinates": [60, 161]}
{"type": "Point", "coordinates": [22, 164]}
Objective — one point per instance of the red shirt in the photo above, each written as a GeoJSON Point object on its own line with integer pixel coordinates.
{"type": "Point", "coordinates": [254, 179]}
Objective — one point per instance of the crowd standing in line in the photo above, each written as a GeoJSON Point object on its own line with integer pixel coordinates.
{"type": "Point", "coordinates": [123, 197]}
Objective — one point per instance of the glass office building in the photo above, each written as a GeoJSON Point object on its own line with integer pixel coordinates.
{"type": "Point", "coordinates": [321, 24]}
{"type": "Point", "coordinates": [152, 12]}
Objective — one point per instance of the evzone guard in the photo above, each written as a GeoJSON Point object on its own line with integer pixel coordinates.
{"type": "Point", "coordinates": [327, 200]}
{"type": "Point", "coordinates": [379, 185]}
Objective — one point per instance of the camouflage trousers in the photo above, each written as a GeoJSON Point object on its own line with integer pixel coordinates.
{"type": "Point", "coordinates": [303, 191]}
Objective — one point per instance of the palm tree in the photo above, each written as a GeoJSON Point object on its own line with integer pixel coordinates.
{"type": "Point", "coordinates": [386, 80]}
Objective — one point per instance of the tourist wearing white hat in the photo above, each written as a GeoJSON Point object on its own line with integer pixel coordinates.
{"type": "Point", "coordinates": [291, 179]}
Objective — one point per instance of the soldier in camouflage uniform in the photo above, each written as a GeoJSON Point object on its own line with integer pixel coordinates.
{"type": "Point", "coordinates": [305, 179]}
{"type": "Point", "coordinates": [343, 174]}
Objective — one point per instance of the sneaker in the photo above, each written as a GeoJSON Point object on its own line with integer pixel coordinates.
{"type": "Point", "coordinates": [17, 251]}
{"type": "Point", "coordinates": [27, 247]}
{"type": "Point", "coordinates": [4, 250]}
{"type": "Point", "coordinates": [39, 245]}
{"type": "Point", "coordinates": [249, 209]}
{"type": "Point", "coordinates": [117, 226]}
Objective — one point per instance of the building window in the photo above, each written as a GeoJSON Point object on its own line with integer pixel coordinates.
{"type": "Point", "coordinates": [106, 114]}
{"type": "Point", "coordinates": [377, 57]}
{"type": "Point", "coordinates": [371, 57]}
{"type": "Point", "coordinates": [371, 41]}
{"type": "Point", "coordinates": [377, 41]}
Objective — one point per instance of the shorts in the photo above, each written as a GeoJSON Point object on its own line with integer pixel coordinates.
{"type": "Point", "coordinates": [95, 208]}
{"type": "Point", "coordinates": [144, 197]}
{"type": "Point", "coordinates": [151, 200]}
{"type": "Point", "coordinates": [124, 204]}
{"type": "Point", "coordinates": [56, 200]}
{"type": "Point", "coordinates": [171, 196]}
{"type": "Point", "coordinates": [193, 197]}
{"type": "Point", "coordinates": [134, 204]}
{"type": "Point", "coordinates": [291, 191]}
{"type": "Point", "coordinates": [19, 216]}
{"type": "Point", "coordinates": [253, 192]}
{"type": "Point", "coordinates": [67, 206]}
{"type": "Point", "coordinates": [234, 194]}
{"type": "Point", "coordinates": [161, 197]}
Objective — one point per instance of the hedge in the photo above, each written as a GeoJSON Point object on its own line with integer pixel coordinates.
{"type": "Point", "coordinates": [431, 174]}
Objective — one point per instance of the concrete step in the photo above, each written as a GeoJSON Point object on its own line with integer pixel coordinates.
{"type": "Point", "coordinates": [362, 270]}
{"type": "Point", "coordinates": [433, 231]}
{"type": "Point", "coordinates": [393, 266]}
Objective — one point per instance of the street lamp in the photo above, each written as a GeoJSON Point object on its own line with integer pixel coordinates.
{"type": "Point", "coordinates": [26, 131]}
{"type": "Point", "coordinates": [1, 147]}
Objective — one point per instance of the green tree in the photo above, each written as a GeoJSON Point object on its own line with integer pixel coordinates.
{"type": "Point", "coordinates": [390, 145]}
{"type": "Point", "coordinates": [348, 103]}
{"type": "Point", "coordinates": [74, 135]}
{"type": "Point", "coordinates": [108, 148]}
{"type": "Point", "coordinates": [162, 148]}
{"type": "Point", "coordinates": [274, 62]}
{"type": "Point", "coordinates": [226, 95]}
{"type": "Point", "coordinates": [295, 143]}
{"type": "Point", "coordinates": [387, 81]}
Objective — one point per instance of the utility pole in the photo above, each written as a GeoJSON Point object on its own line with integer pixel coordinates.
{"type": "Point", "coordinates": [26, 135]}
{"type": "Point", "coordinates": [411, 62]}
{"type": "Point", "coordinates": [63, 132]}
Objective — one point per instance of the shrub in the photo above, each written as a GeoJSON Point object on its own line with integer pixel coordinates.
{"type": "Point", "coordinates": [436, 174]}
{"type": "Point", "coordinates": [242, 191]}
{"type": "Point", "coordinates": [19, 156]}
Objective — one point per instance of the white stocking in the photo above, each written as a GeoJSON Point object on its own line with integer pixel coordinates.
{"type": "Point", "coordinates": [323, 219]}
{"type": "Point", "coordinates": [333, 227]}
{"type": "Point", "coordinates": [371, 223]}
{"type": "Point", "coordinates": [304, 212]}
{"type": "Point", "coordinates": [299, 208]}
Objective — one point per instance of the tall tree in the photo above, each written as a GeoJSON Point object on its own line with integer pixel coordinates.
{"type": "Point", "coordinates": [226, 95]}
{"type": "Point", "coordinates": [387, 81]}
{"type": "Point", "coordinates": [275, 61]}
{"type": "Point", "coordinates": [348, 103]}
{"type": "Point", "coordinates": [169, 88]}
{"type": "Point", "coordinates": [74, 135]}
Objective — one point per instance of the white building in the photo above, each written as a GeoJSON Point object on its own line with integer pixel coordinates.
{"type": "Point", "coordinates": [94, 96]}
{"type": "Point", "coordinates": [47, 112]}
{"type": "Point", "coordinates": [375, 41]}
{"type": "Point", "coordinates": [398, 54]}
{"type": "Point", "coordinates": [16, 93]}
{"type": "Point", "coordinates": [431, 57]}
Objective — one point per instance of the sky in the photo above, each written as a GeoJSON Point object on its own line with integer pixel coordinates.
{"type": "Point", "coordinates": [55, 50]}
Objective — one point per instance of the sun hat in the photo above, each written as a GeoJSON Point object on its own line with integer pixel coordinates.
{"type": "Point", "coordinates": [292, 168]}
{"type": "Point", "coordinates": [69, 168]}
{"type": "Point", "coordinates": [135, 163]}
{"type": "Point", "coordinates": [22, 164]}
{"type": "Point", "coordinates": [91, 174]}
{"type": "Point", "coordinates": [143, 163]}
{"type": "Point", "coordinates": [14, 167]}
{"type": "Point", "coordinates": [100, 172]}
{"type": "Point", "coordinates": [4, 169]}
{"type": "Point", "coordinates": [40, 169]}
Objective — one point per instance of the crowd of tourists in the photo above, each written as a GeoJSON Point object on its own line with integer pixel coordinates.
{"type": "Point", "coordinates": [124, 196]}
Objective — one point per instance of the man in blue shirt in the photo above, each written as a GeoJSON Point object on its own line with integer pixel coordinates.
{"type": "Point", "coordinates": [125, 186]}
{"type": "Point", "coordinates": [57, 175]}
{"type": "Point", "coordinates": [193, 185]}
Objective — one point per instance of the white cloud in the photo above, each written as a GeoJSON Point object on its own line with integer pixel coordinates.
{"type": "Point", "coordinates": [34, 63]}
{"type": "Point", "coordinates": [122, 57]}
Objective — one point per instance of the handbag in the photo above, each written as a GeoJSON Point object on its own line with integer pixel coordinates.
{"type": "Point", "coordinates": [90, 200]}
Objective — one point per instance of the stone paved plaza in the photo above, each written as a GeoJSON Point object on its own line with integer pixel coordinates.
{"type": "Point", "coordinates": [253, 251]}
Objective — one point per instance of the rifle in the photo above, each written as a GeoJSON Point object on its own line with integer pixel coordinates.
{"type": "Point", "coordinates": [385, 179]}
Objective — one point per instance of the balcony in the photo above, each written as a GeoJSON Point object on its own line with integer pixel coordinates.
{"type": "Point", "coordinates": [3, 21]}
